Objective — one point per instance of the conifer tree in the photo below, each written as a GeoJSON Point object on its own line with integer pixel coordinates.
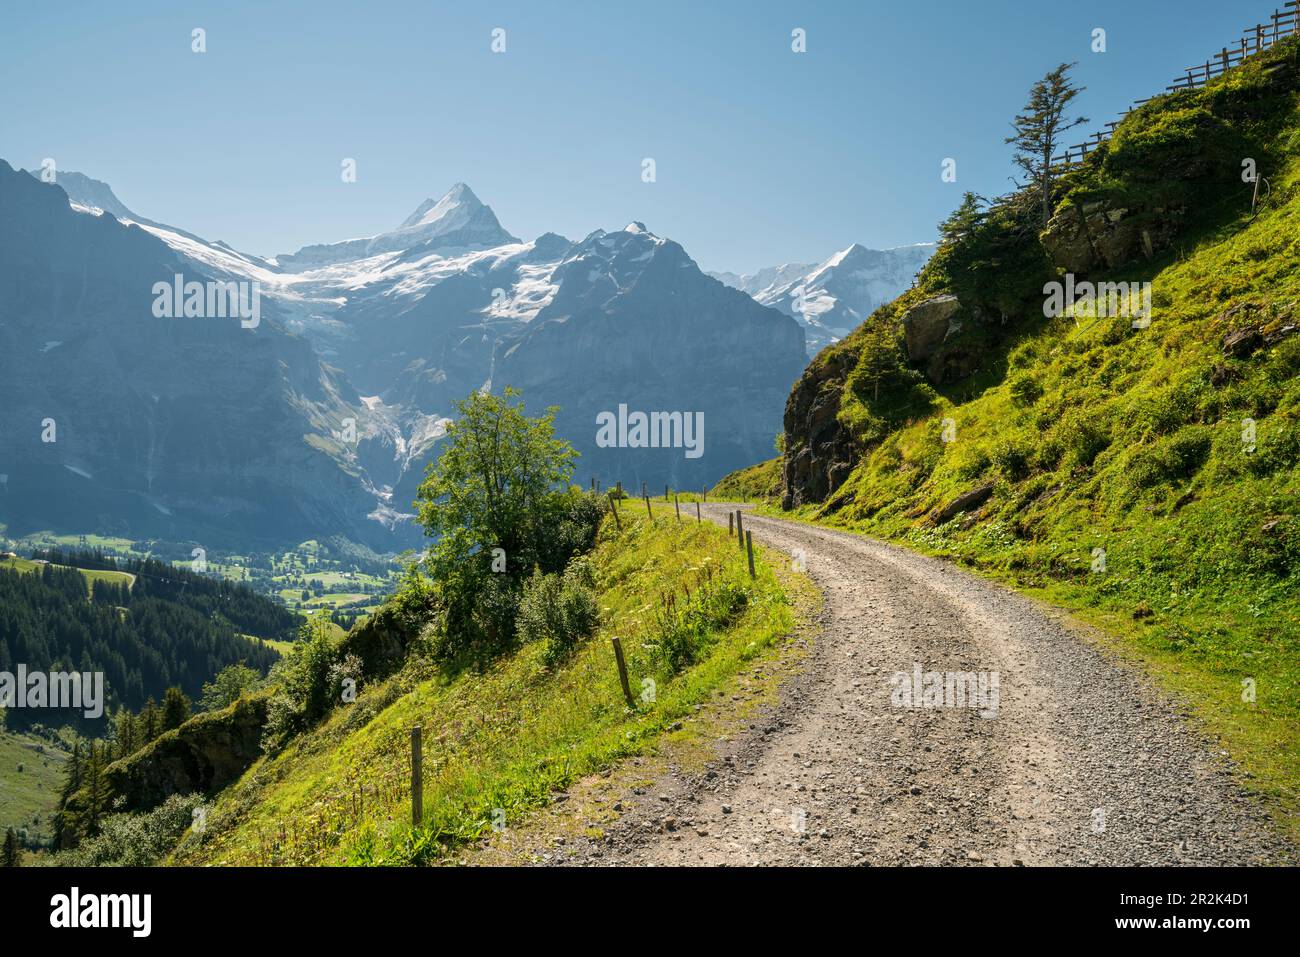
{"type": "Point", "coordinates": [12, 855]}
{"type": "Point", "coordinates": [175, 709]}
{"type": "Point", "coordinates": [1039, 128]}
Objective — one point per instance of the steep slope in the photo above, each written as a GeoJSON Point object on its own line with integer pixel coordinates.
{"type": "Point", "coordinates": [115, 419]}
{"type": "Point", "coordinates": [1137, 464]}
{"type": "Point", "coordinates": [635, 324]}
{"type": "Point", "coordinates": [617, 318]}
{"type": "Point", "coordinates": [501, 743]}
{"type": "Point", "coordinates": [833, 297]}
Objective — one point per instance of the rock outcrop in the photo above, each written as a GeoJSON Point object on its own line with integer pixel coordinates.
{"type": "Point", "coordinates": [965, 502]}
{"type": "Point", "coordinates": [820, 452]}
{"type": "Point", "coordinates": [1082, 240]}
{"type": "Point", "coordinates": [205, 754]}
{"type": "Point", "coordinates": [927, 324]}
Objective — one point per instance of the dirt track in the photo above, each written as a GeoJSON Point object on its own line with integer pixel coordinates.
{"type": "Point", "coordinates": [1076, 760]}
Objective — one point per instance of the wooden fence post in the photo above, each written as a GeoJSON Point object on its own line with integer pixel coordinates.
{"type": "Point", "coordinates": [613, 507]}
{"type": "Point", "coordinates": [731, 522]}
{"type": "Point", "coordinates": [749, 547]}
{"type": "Point", "coordinates": [417, 777]}
{"type": "Point", "coordinates": [665, 493]}
{"type": "Point", "coordinates": [647, 508]}
{"type": "Point", "coordinates": [740, 528]}
{"type": "Point", "coordinates": [698, 517]}
{"type": "Point", "coordinates": [622, 672]}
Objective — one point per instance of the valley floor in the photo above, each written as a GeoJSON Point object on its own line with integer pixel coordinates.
{"type": "Point", "coordinates": [1079, 761]}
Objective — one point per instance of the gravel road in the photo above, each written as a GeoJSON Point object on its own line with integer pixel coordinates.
{"type": "Point", "coordinates": [1071, 759]}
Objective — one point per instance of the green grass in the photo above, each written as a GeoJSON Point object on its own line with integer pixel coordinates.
{"type": "Point", "coordinates": [758, 483]}
{"type": "Point", "coordinates": [29, 797]}
{"type": "Point", "coordinates": [89, 574]}
{"type": "Point", "coordinates": [508, 738]}
{"type": "Point", "coordinates": [283, 647]}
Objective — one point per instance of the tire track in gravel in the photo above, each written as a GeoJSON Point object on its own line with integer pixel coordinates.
{"type": "Point", "coordinates": [1077, 760]}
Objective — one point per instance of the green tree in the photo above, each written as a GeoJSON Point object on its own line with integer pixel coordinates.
{"type": "Point", "coordinates": [1038, 130]}
{"type": "Point", "coordinates": [95, 791]}
{"type": "Point", "coordinates": [125, 733]}
{"type": "Point", "coordinates": [965, 219]}
{"type": "Point", "coordinates": [494, 484]}
{"type": "Point", "coordinates": [230, 684]}
{"type": "Point", "coordinates": [499, 503]}
{"type": "Point", "coordinates": [65, 831]}
{"type": "Point", "coordinates": [150, 722]}
{"type": "Point", "coordinates": [12, 856]}
{"type": "Point", "coordinates": [175, 709]}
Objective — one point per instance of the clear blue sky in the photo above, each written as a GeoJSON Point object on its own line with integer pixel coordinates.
{"type": "Point", "coordinates": [763, 156]}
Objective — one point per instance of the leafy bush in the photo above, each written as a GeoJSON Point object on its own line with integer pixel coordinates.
{"type": "Point", "coordinates": [304, 692]}
{"type": "Point", "coordinates": [1169, 460]}
{"type": "Point", "coordinates": [228, 686]}
{"type": "Point", "coordinates": [1078, 439]}
{"type": "Point", "coordinates": [1024, 388]}
{"type": "Point", "coordinates": [135, 840]}
{"type": "Point", "coordinates": [1012, 455]}
{"type": "Point", "coordinates": [560, 610]}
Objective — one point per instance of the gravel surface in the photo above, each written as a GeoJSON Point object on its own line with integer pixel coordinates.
{"type": "Point", "coordinates": [1077, 761]}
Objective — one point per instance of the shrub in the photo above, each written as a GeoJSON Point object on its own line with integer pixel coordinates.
{"type": "Point", "coordinates": [1024, 388]}
{"type": "Point", "coordinates": [136, 840]}
{"type": "Point", "coordinates": [560, 610]}
{"type": "Point", "coordinates": [1011, 456]}
{"type": "Point", "coordinates": [304, 692]}
{"type": "Point", "coordinates": [1080, 437]}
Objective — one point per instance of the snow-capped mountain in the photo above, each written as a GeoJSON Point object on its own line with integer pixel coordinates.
{"type": "Point", "coordinates": [457, 220]}
{"type": "Point", "coordinates": [114, 419]}
{"type": "Point", "coordinates": [830, 299]}
{"type": "Point", "coordinates": [404, 323]}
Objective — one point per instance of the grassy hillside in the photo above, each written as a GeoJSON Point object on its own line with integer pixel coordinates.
{"type": "Point", "coordinates": [1107, 467]}
{"type": "Point", "coordinates": [91, 575]}
{"type": "Point", "coordinates": [29, 796]}
{"type": "Point", "coordinates": [678, 596]}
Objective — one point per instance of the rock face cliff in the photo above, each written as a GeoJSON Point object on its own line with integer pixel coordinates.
{"type": "Point", "coordinates": [117, 420]}
{"type": "Point", "coordinates": [206, 753]}
{"type": "Point", "coordinates": [820, 449]}
{"type": "Point", "coordinates": [635, 323]}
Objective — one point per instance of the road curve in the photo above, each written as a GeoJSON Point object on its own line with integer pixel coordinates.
{"type": "Point", "coordinates": [1075, 761]}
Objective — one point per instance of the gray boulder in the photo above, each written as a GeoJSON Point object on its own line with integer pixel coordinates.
{"type": "Point", "coordinates": [927, 324]}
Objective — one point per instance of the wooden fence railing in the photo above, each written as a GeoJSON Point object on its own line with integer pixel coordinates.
{"type": "Point", "coordinates": [1256, 39]}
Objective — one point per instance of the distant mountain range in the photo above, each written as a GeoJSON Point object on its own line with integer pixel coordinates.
{"type": "Point", "coordinates": [832, 298]}
{"type": "Point", "coordinates": [319, 417]}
